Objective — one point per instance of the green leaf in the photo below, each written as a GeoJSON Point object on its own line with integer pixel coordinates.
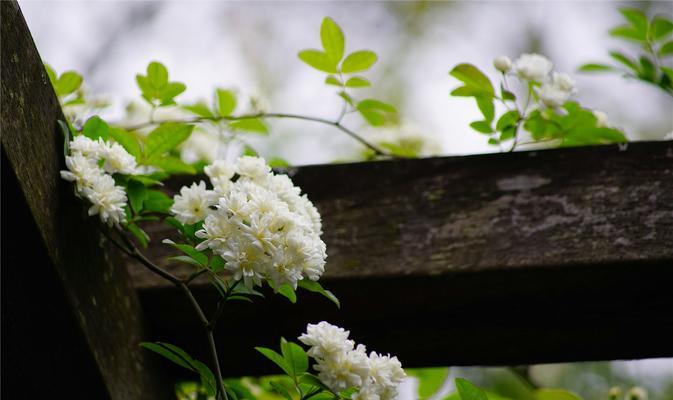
{"type": "Point", "coordinates": [170, 91]}
{"type": "Point", "coordinates": [509, 118]}
{"type": "Point", "coordinates": [594, 67]}
{"type": "Point", "coordinates": [216, 263]}
{"type": "Point", "coordinates": [95, 127]}
{"type": "Point", "coordinates": [482, 126]}
{"type": "Point", "coordinates": [376, 112]}
{"type": "Point", "coordinates": [358, 61]}
{"type": "Point", "coordinates": [160, 349]}
{"type": "Point", "coordinates": [165, 138]}
{"type": "Point", "coordinates": [648, 70]}
{"type": "Point", "coordinates": [254, 125]}
{"type": "Point", "coordinates": [357, 82]}
{"type": "Point", "coordinates": [127, 140]}
{"type": "Point", "coordinates": [660, 27]}
{"type": "Point", "coordinates": [332, 80]}
{"type": "Point", "coordinates": [200, 109]}
{"type": "Point", "coordinates": [636, 18]}
{"type": "Point", "coordinates": [287, 291]}
{"type": "Point", "coordinates": [140, 234]}
{"type": "Point", "coordinates": [474, 79]}
{"type": "Point", "coordinates": [430, 380]}
{"type": "Point", "coordinates": [318, 60]}
{"type": "Point", "coordinates": [666, 50]}
{"type": "Point", "coordinates": [624, 60]}
{"type": "Point", "coordinates": [295, 357]}
{"type": "Point", "coordinates": [486, 107]}
{"type": "Point", "coordinates": [348, 99]}
{"type": "Point", "coordinates": [189, 250]}
{"type": "Point", "coordinates": [278, 163]}
{"type": "Point", "coordinates": [156, 201]}
{"type": "Point", "coordinates": [65, 130]}
{"type": "Point", "coordinates": [137, 193]}
{"type": "Point", "coordinates": [67, 83]}
{"type": "Point", "coordinates": [172, 165]}
{"type": "Point", "coordinates": [185, 260]}
{"type": "Point", "coordinates": [276, 358]}
{"type": "Point", "coordinates": [249, 151]}
{"type": "Point", "coordinates": [332, 39]}
{"type": "Point", "coordinates": [627, 32]}
{"type": "Point", "coordinates": [555, 394]}
{"type": "Point", "coordinates": [157, 75]}
{"type": "Point", "coordinates": [226, 102]}
{"type": "Point", "coordinates": [314, 286]}
{"type": "Point", "coordinates": [468, 391]}
{"type": "Point", "coordinates": [281, 390]}
{"type": "Point", "coordinates": [506, 94]}
{"type": "Point", "coordinates": [51, 74]}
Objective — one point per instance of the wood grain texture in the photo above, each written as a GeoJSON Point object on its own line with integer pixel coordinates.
{"type": "Point", "coordinates": [544, 256]}
{"type": "Point", "coordinates": [99, 293]}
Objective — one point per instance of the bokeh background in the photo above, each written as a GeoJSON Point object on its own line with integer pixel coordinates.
{"type": "Point", "coordinates": [252, 45]}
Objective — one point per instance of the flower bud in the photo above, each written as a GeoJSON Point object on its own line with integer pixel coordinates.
{"type": "Point", "coordinates": [502, 64]}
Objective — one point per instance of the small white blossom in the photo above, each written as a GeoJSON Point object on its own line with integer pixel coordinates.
{"type": "Point", "coordinates": [81, 169]}
{"type": "Point", "coordinates": [326, 340]}
{"type": "Point", "coordinates": [220, 173]}
{"type": "Point", "coordinates": [107, 200]}
{"type": "Point", "coordinates": [503, 64]}
{"type": "Point", "coordinates": [193, 203]}
{"type": "Point", "coordinates": [117, 159]}
{"type": "Point", "coordinates": [533, 67]}
{"type": "Point", "coordinates": [252, 167]}
{"type": "Point", "coordinates": [344, 370]}
{"type": "Point", "coordinates": [558, 90]}
{"type": "Point", "coordinates": [601, 119]}
{"type": "Point", "coordinates": [92, 149]}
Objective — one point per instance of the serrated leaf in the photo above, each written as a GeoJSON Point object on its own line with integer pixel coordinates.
{"type": "Point", "coordinates": [226, 102]}
{"type": "Point", "coordinates": [165, 138]}
{"type": "Point", "coordinates": [127, 140]}
{"type": "Point", "coordinates": [318, 60]}
{"type": "Point", "coordinates": [357, 82]}
{"type": "Point", "coordinates": [95, 128]}
{"type": "Point", "coordinates": [254, 125]}
{"type": "Point", "coordinates": [358, 61]}
{"type": "Point", "coordinates": [295, 357]}
{"type": "Point", "coordinates": [275, 357]}
{"type": "Point", "coordinates": [314, 286]}
{"type": "Point", "coordinates": [200, 109]}
{"type": "Point", "coordinates": [332, 39]}
{"type": "Point", "coordinates": [474, 79]}
{"type": "Point", "coordinates": [468, 391]}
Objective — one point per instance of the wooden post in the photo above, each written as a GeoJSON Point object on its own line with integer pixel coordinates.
{"type": "Point", "coordinates": [72, 317]}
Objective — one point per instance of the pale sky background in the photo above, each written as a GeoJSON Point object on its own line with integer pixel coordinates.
{"type": "Point", "coordinates": [252, 46]}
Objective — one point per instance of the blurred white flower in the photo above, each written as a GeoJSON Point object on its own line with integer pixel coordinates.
{"type": "Point", "coordinates": [533, 67]}
{"type": "Point", "coordinates": [601, 119]}
{"type": "Point", "coordinates": [220, 173]}
{"type": "Point", "coordinates": [193, 203]}
{"type": "Point", "coordinates": [502, 64]}
{"type": "Point", "coordinates": [636, 393]}
{"type": "Point", "coordinates": [556, 91]}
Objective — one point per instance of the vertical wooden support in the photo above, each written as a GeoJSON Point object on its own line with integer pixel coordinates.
{"type": "Point", "coordinates": [81, 325]}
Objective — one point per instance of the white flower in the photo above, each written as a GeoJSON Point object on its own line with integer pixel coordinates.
{"type": "Point", "coordinates": [345, 370]}
{"type": "Point", "coordinates": [107, 200]}
{"type": "Point", "coordinates": [502, 64]}
{"type": "Point", "coordinates": [601, 119]}
{"type": "Point", "coordinates": [81, 170]}
{"type": "Point", "coordinates": [326, 340]}
{"type": "Point", "coordinates": [117, 159]}
{"type": "Point", "coordinates": [193, 203]}
{"type": "Point", "coordinates": [261, 226]}
{"type": "Point", "coordinates": [532, 67]}
{"type": "Point", "coordinates": [89, 148]}
{"type": "Point", "coordinates": [558, 90]}
{"type": "Point", "coordinates": [385, 370]}
{"type": "Point", "coordinates": [252, 167]}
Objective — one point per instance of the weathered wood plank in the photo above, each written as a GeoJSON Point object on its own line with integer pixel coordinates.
{"type": "Point", "coordinates": [491, 259]}
{"type": "Point", "coordinates": [95, 290]}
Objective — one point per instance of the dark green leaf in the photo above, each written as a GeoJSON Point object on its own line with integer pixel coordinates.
{"type": "Point", "coordinates": [216, 263]}
{"type": "Point", "coordinates": [127, 140]}
{"type": "Point", "coordinates": [196, 255]}
{"type": "Point", "coordinates": [226, 102]}
{"type": "Point", "coordinates": [172, 165]}
{"type": "Point", "coordinates": [169, 354]}
{"type": "Point", "coordinates": [314, 286]}
{"type": "Point", "coordinates": [332, 39]}
{"type": "Point", "coordinates": [318, 60]}
{"type": "Point", "coordinates": [254, 125]}
{"type": "Point", "coordinates": [482, 126]}
{"type": "Point", "coordinates": [473, 78]}
{"type": "Point", "coordinates": [276, 358]}
{"type": "Point", "coordinates": [165, 138]}
{"type": "Point", "coordinates": [287, 291]}
{"type": "Point", "coordinates": [660, 27]}
{"type": "Point", "coordinates": [140, 234]}
{"type": "Point", "coordinates": [357, 82]}
{"type": "Point", "coordinates": [358, 61]}
{"type": "Point", "coordinates": [156, 201]}
{"type": "Point", "coordinates": [648, 70]}
{"type": "Point", "coordinates": [95, 127]}
{"type": "Point", "coordinates": [636, 18]}
{"type": "Point", "coordinates": [281, 390]}
{"type": "Point", "coordinates": [137, 193]}
{"type": "Point", "coordinates": [624, 60]}
{"type": "Point", "coordinates": [509, 118]}
{"type": "Point", "coordinates": [468, 391]}
{"type": "Point", "coordinates": [295, 357]}
{"type": "Point", "coordinates": [666, 50]}
{"type": "Point", "coordinates": [65, 130]}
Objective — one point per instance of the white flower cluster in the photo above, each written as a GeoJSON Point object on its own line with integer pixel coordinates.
{"type": "Point", "coordinates": [90, 165]}
{"type": "Point", "coordinates": [555, 88]}
{"type": "Point", "coordinates": [343, 365]}
{"type": "Point", "coordinates": [259, 223]}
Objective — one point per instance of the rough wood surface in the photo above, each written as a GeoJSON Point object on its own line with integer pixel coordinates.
{"type": "Point", "coordinates": [97, 288]}
{"type": "Point", "coordinates": [491, 259]}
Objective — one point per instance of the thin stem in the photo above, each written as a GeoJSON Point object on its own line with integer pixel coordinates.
{"type": "Point", "coordinates": [216, 363]}
{"type": "Point", "coordinates": [337, 124]}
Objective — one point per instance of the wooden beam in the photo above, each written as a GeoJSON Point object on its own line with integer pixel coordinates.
{"type": "Point", "coordinates": [87, 302]}
{"type": "Point", "coordinates": [544, 256]}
